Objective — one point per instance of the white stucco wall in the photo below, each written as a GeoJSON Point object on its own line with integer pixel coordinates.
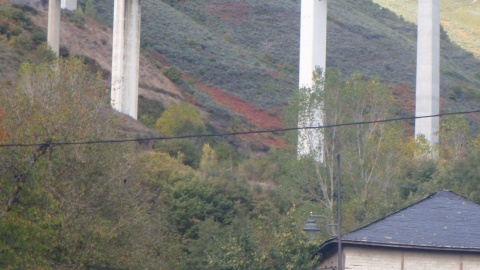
{"type": "Point", "coordinates": [372, 258]}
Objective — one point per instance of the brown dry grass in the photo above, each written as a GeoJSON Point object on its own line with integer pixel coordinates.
{"type": "Point", "coordinates": [94, 40]}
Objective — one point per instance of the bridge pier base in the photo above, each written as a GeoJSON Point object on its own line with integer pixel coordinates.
{"type": "Point", "coordinates": [53, 36]}
{"type": "Point", "coordinates": [126, 56]}
{"type": "Point", "coordinates": [313, 55]}
{"type": "Point", "coordinates": [69, 4]}
{"type": "Point", "coordinates": [428, 70]}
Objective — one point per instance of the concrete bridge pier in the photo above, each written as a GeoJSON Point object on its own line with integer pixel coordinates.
{"type": "Point", "coordinates": [69, 4]}
{"type": "Point", "coordinates": [53, 36]}
{"type": "Point", "coordinates": [313, 54]}
{"type": "Point", "coordinates": [428, 70]}
{"type": "Point", "coordinates": [126, 56]}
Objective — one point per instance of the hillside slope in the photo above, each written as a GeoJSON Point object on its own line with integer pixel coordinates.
{"type": "Point", "coordinates": [93, 40]}
{"type": "Point", "coordinates": [239, 59]}
{"type": "Point", "coordinates": [249, 49]}
{"type": "Point", "coordinates": [461, 19]}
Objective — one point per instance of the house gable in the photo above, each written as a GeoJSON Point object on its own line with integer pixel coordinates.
{"type": "Point", "coordinates": [440, 232]}
{"type": "Point", "coordinates": [444, 220]}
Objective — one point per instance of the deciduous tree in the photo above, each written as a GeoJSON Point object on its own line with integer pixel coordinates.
{"type": "Point", "coordinates": [180, 119]}
{"type": "Point", "coordinates": [61, 203]}
{"type": "Point", "coordinates": [369, 151]}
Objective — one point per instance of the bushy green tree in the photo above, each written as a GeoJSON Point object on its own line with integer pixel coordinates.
{"type": "Point", "coordinates": [180, 119]}
{"type": "Point", "coordinates": [90, 9]}
{"type": "Point", "coordinates": [185, 150]}
{"type": "Point", "coordinates": [79, 11]}
{"type": "Point", "coordinates": [457, 168]}
{"type": "Point", "coordinates": [63, 206]}
{"type": "Point", "coordinates": [266, 244]}
{"type": "Point", "coordinates": [173, 74]}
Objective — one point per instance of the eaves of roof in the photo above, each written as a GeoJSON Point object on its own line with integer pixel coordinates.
{"type": "Point", "coordinates": [442, 221]}
{"type": "Point", "coordinates": [331, 245]}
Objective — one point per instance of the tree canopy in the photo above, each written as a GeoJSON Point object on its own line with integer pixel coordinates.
{"type": "Point", "coordinates": [198, 204]}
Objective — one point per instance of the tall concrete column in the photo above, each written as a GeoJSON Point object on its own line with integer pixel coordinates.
{"type": "Point", "coordinates": [69, 4]}
{"type": "Point", "coordinates": [126, 56]}
{"type": "Point", "coordinates": [53, 36]}
{"type": "Point", "coordinates": [313, 51]}
{"type": "Point", "coordinates": [428, 70]}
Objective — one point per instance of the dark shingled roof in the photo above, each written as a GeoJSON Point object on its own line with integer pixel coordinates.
{"type": "Point", "coordinates": [444, 220]}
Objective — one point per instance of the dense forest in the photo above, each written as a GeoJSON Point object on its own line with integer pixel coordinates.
{"type": "Point", "coordinates": [80, 190]}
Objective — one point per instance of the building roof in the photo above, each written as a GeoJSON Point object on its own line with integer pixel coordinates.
{"type": "Point", "coordinates": [443, 220]}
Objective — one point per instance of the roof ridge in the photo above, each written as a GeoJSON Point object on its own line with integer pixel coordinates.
{"type": "Point", "coordinates": [409, 206]}
{"type": "Point", "coordinates": [433, 222]}
{"type": "Point", "coordinates": [393, 213]}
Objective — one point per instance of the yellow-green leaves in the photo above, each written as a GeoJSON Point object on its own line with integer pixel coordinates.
{"type": "Point", "coordinates": [60, 202]}
{"type": "Point", "coordinates": [180, 119]}
{"type": "Point", "coordinates": [208, 157]}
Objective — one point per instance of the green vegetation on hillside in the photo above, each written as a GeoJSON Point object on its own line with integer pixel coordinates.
{"type": "Point", "coordinates": [106, 205]}
{"type": "Point", "coordinates": [249, 49]}
{"type": "Point", "coordinates": [121, 206]}
{"type": "Point", "coordinates": [459, 18]}
{"type": "Point", "coordinates": [19, 40]}
{"type": "Point", "coordinates": [210, 203]}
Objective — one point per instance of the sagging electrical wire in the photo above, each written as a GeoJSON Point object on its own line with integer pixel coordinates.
{"type": "Point", "coordinates": [52, 143]}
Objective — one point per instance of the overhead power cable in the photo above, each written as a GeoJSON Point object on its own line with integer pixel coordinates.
{"type": "Point", "coordinates": [234, 133]}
